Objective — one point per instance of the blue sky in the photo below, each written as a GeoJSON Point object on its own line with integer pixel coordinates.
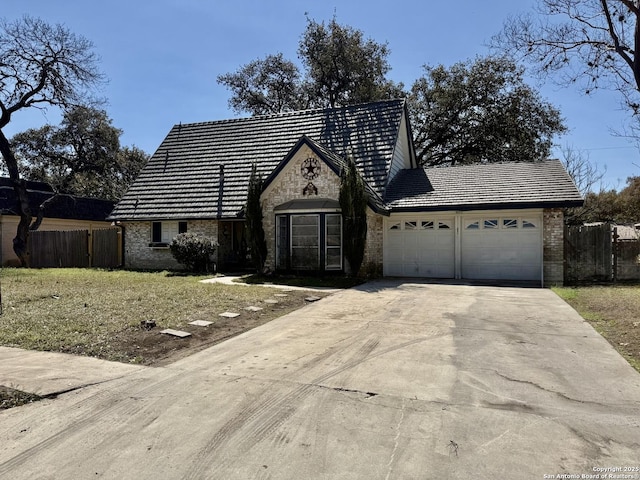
{"type": "Point", "coordinates": [162, 58]}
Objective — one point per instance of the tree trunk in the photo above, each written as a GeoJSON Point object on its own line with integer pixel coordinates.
{"type": "Point", "coordinates": [20, 246]}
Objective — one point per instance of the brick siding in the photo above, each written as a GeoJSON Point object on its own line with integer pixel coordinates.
{"type": "Point", "coordinates": [553, 246]}
{"type": "Point", "coordinates": [139, 255]}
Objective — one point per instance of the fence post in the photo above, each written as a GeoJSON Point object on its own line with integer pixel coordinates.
{"type": "Point", "coordinates": [615, 237]}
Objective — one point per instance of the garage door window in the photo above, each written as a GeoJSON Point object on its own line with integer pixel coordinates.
{"type": "Point", "coordinates": [395, 226]}
{"type": "Point", "coordinates": [491, 223]}
{"type": "Point", "coordinates": [427, 225]}
{"type": "Point", "coordinates": [529, 224]}
{"type": "Point", "coordinates": [410, 225]}
{"type": "Point", "coordinates": [509, 223]}
{"type": "Point", "coordinates": [444, 225]}
{"type": "Point", "coordinates": [474, 225]}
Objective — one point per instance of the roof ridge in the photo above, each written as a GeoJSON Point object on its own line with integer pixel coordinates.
{"type": "Point", "coordinates": [292, 113]}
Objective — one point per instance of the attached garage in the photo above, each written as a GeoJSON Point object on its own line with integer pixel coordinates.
{"type": "Point", "coordinates": [484, 246]}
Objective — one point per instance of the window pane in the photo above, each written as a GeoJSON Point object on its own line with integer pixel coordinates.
{"type": "Point", "coordinates": [444, 225]}
{"type": "Point", "coordinates": [510, 223]}
{"type": "Point", "coordinates": [395, 226]}
{"type": "Point", "coordinates": [333, 239]}
{"type": "Point", "coordinates": [182, 227]}
{"type": "Point", "coordinates": [305, 242]}
{"type": "Point", "coordinates": [491, 223]}
{"type": "Point", "coordinates": [410, 225]}
{"type": "Point", "coordinates": [475, 225]}
{"type": "Point", "coordinates": [529, 224]}
{"type": "Point", "coordinates": [156, 232]}
{"type": "Point", "coordinates": [427, 225]}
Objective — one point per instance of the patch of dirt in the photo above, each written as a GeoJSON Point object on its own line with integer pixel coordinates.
{"type": "Point", "coordinates": [10, 397]}
{"type": "Point", "coordinates": [614, 311]}
{"type": "Point", "coordinates": [152, 348]}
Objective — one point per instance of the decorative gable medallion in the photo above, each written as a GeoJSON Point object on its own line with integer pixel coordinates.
{"type": "Point", "coordinates": [310, 168]}
{"type": "Point", "coordinates": [310, 189]}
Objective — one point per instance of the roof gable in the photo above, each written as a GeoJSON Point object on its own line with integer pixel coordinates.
{"type": "Point", "coordinates": [202, 170]}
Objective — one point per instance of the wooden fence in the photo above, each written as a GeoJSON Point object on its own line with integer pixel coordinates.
{"type": "Point", "coordinates": [75, 248]}
{"type": "Point", "coordinates": [594, 254]}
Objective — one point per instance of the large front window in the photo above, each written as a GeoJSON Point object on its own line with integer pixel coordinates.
{"type": "Point", "coordinates": [305, 242]}
{"type": "Point", "coordinates": [309, 241]}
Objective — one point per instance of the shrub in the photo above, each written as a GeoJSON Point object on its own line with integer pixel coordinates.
{"type": "Point", "coordinates": [194, 251]}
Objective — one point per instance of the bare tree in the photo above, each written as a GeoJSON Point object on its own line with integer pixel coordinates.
{"type": "Point", "coordinates": [40, 65]}
{"type": "Point", "coordinates": [590, 43]}
{"type": "Point", "coordinates": [585, 173]}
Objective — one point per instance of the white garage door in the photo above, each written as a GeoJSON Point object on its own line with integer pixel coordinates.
{"type": "Point", "coordinates": [501, 247]}
{"type": "Point", "coordinates": [420, 247]}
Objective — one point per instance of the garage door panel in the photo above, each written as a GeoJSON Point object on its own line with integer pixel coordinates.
{"type": "Point", "coordinates": [501, 248]}
{"type": "Point", "coordinates": [420, 248]}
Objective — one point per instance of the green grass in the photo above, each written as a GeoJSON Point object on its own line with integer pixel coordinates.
{"type": "Point", "coordinates": [613, 311]}
{"type": "Point", "coordinates": [98, 313]}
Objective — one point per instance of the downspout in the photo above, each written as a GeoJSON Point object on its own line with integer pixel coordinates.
{"type": "Point", "coordinates": [122, 240]}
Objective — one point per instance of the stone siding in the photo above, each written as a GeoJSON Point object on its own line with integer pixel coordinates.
{"type": "Point", "coordinates": [553, 246]}
{"type": "Point", "coordinates": [139, 255]}
{"type": "Point", "coordinates": [289, 185]}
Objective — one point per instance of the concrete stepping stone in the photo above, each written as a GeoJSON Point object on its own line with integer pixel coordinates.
{"type": "Point", "coordinates": [201, 323]}
{"type": "Point", "coordinates": [176, 333]}
{"type": "Point", "coordinates": [280, 295]}
{"type": "Point", "coordinates": [229, 315]}
{"type": "Point", "coordinates": [253, 309]}
{"type": "Point", "coordinates": [270, 301]}
{"type": "Point", "coordinates": [312, 299]}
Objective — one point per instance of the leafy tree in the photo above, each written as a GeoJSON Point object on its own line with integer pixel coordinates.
{"type": "Point", "coordinates": [630, 199]}
{"type": "Point", "coordinates": [81, 156]}
{"type": "Point", "coordinates": [353, 203]}
{"type": "Point", "coordinates": [480, 111]}
{"type": "Point", "coordinates": [253, 212]}
{"type": "Point", "coordinates": [342, 68]}
{"type": "Point", "coordinates": [194, 251]}
{"type": "Point", "coordinates": [40, 64]}
{"type": "Point", "coordinates": [589, 43]}
{"type": "Point", "coordinates": [610, 206]}
{"type": "Point", "coordinates": [270, 85]}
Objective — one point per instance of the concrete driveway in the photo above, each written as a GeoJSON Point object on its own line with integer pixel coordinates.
{"type": "Point", "coordinates": [390, 380]}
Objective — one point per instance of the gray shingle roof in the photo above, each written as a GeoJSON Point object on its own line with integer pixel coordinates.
{"type": "Point", "coordinates": [483, 186]}
{"type": "Point", "coordinates": [184, 178]}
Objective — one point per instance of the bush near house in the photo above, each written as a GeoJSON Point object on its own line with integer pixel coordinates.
{"type": "Point", "coordinates": [194, 251]}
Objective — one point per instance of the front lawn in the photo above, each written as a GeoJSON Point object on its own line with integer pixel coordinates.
{"type": "Point", "coordinates": [614, 311]}
{"type": "Point", "coordinates": [99, 313]}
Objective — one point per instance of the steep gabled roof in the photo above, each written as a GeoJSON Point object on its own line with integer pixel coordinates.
{"type": "Point", "coordinates": [336, 163]}
{"type": "Point", "coordinates": [484, 186]}
{"type": "Point", "coordinates": [201, 170]}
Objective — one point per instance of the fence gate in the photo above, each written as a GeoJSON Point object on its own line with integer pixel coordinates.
{"type": "Point", "coordinates": [75, 248]}
{"type": "Point", "coordinates": [588, 253]}
{"type": "Point", "coordinates": [54, 249]}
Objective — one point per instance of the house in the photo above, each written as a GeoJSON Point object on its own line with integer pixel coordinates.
{"type": "Point", "coordinates": [67, 212]}
{"type": "Point", "coordinates": [490, 221]}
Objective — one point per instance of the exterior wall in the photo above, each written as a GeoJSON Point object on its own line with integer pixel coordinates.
{"type": "Point", "coordinates": [372, 263]}
{"type": "Point", "coordinates": [402, 152]}
{"type": "Point", "coordinates": [553, 246]}
{"type": "Point", "coordinates": [289, 185]}
{"type": "Point", "coordinates": [9, 226]}
{"type": "Point", "coordinates": [139, 255]}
